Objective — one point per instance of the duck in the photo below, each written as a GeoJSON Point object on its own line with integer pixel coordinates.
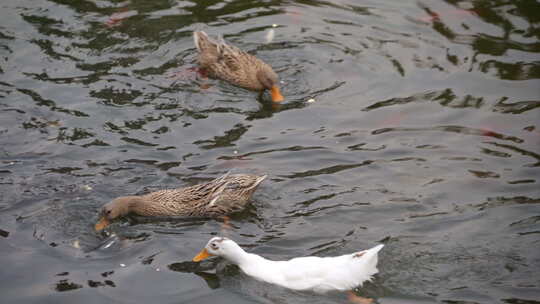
{"type": "Point", "coordinates": [312, 273]}
{"type": "Point", "coordinates": [229, 63]}
{"type": "Point", "coordinates": [226, 194]}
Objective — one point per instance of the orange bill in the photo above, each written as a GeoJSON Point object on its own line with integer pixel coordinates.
{"type": "Point", "coordinates": [202, 255]}
{"type": "Point", "coordinates": [276, 94]}
{"type": "Point", "coordinates": [102, 223]}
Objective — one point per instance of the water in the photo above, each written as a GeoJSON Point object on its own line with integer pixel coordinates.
{"type": "Point", "coordinates": [410, 123]}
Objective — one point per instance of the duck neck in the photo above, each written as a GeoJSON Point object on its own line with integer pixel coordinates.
{"type": "Point", "coordinates": [138, 205]}
{"type": "Point", "coordinates": [237, 255]}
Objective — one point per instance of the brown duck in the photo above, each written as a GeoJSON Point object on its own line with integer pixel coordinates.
{"type": "Point", "coordinates": [221, 196]}
{"type": "Point", "coordinates": [231, 64]}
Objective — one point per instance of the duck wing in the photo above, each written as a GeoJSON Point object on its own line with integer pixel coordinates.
{"type": "Point", "coordinates": [189, 201]}
{"type": "Point", "coordinates": [330, 273]}
{"type": "Point", "coordinates": [218, 52]}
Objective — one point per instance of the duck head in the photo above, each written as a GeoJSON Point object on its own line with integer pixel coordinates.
{"type": "Point", "coordinates": [269, 80]}
{"type": "Point", "coordinates": [219, 246]}
{"type": "Point", "coordinates": [116, 208]}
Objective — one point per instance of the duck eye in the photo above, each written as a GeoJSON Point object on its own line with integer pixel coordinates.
{"type": "Point", "coordinates": [108, 211]}
{"type": "Point", "coordinates": [214, 246]}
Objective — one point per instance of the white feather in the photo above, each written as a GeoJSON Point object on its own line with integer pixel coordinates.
{"type": "Point", "coordinates": [319, 274]}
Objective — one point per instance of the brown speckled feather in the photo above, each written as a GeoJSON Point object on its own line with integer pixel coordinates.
{"type": "Point", "coordinates": [221, 196]}
{"type": "Point", "coordinates": [231, 64]}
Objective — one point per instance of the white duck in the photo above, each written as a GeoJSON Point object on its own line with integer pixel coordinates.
{"type": "Point", "coordinates": [319, 274]}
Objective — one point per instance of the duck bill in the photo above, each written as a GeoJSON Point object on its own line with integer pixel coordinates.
{"type": "Point", "coordinates": [202, 255]}
{"type": "Point", "coordinates": [102, 223]}
{"type": "Point", "coordinates": [276, 94]}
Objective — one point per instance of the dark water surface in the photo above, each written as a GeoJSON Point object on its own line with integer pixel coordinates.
{"type": "Point", "coordinates": [411, 123]}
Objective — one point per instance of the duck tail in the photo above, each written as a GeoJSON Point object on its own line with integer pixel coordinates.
{"type": "Point", "coordinates": [201, 40]}
{"type": "Point", "coordinates": [257, 181]}
{"type": "Point", "coordinates": [211, 47]}
{"type": "Point", "coordinates": [369, 260]}
{"type": "Point", "coordinates": [221, 178]}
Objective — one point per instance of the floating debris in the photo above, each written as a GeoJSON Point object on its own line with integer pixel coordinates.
{"type": "Point", "coordinates": [87, 187]}
{"type": "Point", "coordinates": [4, 233]}
{"type": "Point", "coordinates": [122, 265]}
{"type": "Point", "coordinates": [270, 35]}
{"type": "Point", "coordinates": [205, 86]}
{"type": "Point", "coordinates": [76, 244]}
{"type": "Point", "coordinates": [311, 100]}
{"type": "Point", "coordinates": [465, 5]}
{"type": "Point", "coordinates": [117, 18]}
{"type": "Point", "coordinates": [453, 13]}
{"type": "Point", "coordinates": [55, 123]}
{"type": "Point", "coordinates": [274, 25]}
{"type": "Point", "coordinates": [108, 244]}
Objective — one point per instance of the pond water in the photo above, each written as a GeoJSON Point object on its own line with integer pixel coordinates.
{"type": "Point", "coordinates": [411, 123]}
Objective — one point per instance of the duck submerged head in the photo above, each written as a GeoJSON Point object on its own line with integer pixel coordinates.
{"type": "Point", "coordinates": [116, 208]}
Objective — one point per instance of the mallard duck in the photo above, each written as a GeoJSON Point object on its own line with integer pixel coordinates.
{"type": "Point", "coordinates": [221, 196]}
{"type": "Point", "coordinates": [319, 274]}
{"type": "Point", "coordinates": [231, 64]}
